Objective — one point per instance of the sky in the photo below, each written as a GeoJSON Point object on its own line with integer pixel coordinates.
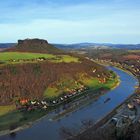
{"type": "Point", "coordinates": [71, 21]}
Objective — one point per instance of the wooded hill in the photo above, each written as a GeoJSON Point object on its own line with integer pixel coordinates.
{"type": "Point", "coordinates": [31, 80]}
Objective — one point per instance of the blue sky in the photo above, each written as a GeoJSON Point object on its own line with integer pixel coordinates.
{"type": "Point", "coordinates": [71, 21]}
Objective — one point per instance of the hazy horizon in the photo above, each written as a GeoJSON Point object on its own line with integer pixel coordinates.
{"type": "Point", "coordinates": [72, 43]}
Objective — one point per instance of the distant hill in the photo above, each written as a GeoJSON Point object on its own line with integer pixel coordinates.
{"type": "Point", "coordinates": [97, 46]}
{"type": "Point", "coordinates": [125, 46]}
{"type": "Point", "coordinates": [34, 45]}
{"type": "Point", "coordinates": [4, 46]}
{"type": "Point", "coordinates": [73, 46]}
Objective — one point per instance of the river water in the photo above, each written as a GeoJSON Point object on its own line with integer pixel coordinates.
{"type": "Point", "coordinates": [50, 130]}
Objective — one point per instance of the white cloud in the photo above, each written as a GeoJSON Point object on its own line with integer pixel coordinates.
{"type": "Point", "coordinates": [93, 22]}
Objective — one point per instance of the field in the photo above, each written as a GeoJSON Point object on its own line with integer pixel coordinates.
{"type": "Point", "coordinates": [62, 86]}
{"type": "Point", "coordinates": [94, 83]}
{"type": "Point", "coordinates": [16, 56]}
{"type": "Point", "coordinates": [6, 109]}
{"type": "Point", "coordinates": [51, 92]}
{"type": "Point", "coordinates": [134, 51]}
{"type": "Point", "coordinates": [16, 118]}
{"type": "Point", "coordinates": [5, 56]}
{"type": "Point", "coordinates": [68, 84]}
{"type": "Point", "coordinates": [66, 59]}
{"type": "Point", "coordinates": [132, 57]}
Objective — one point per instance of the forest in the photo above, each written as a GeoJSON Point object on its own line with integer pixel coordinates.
{"type": "Point", "coordinates": [30, 80]}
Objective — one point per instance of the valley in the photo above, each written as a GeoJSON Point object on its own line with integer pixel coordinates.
{"type": "Point", "coordinates": [34, 82]}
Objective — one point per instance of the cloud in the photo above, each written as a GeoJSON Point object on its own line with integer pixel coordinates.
{"type": "Point", "coordinates": [93, 21]}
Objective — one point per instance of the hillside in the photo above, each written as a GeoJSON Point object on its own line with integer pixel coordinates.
{"type": "Point", "coordinates": [34, 45]}
{"type": "Point", "coordinates": [34, 69]}
{"type": "Point", "coordinates": [36, 77]}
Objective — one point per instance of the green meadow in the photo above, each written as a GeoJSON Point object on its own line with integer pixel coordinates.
{"type": "Point", "coordinates": [5, 56]}
{"type": "Point", "coordinates": [6, 109]}
{"type": "Point", "coordinates": [10, 56]}
{"type": "Point", "coordinates": [91, 82]}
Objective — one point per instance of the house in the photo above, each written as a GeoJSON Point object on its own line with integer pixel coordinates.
{"type": "Point", "coordinates": [65, 96]}
{"type": "Point", "coordinates": [23, 101]}
{"type": "Point", "coordinates": [74, 93]}
{"type": "Point", "coordinates": [94, 70]}
{"type": "Point", "coordinates": [102, 80]}
{"type": "Point", "coordinates": [33, 102]}
{"type": "Point", "coordinates": [123, 122]}
{"type": "Point", "coordinates": [54, 102]}
{"type": "Point", "coordinates": [61, 99]}
{"type": "Point", "coordinates": [130, 106]}
{"type": "Point", "coordinates": [43, 102]}
{"type": "Point", "coordinates": [45, 107]}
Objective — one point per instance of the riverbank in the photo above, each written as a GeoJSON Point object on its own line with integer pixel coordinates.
{"type": "Point", "coordinates": [100, 122]}
{"type": "Point", "coordinates": [90, 98]}
{"type": "Point", "coordinates": [74, 121]}
{"type": "Point", "coordinates": [63, 114]}
{"type": "Point", "coordinates": [82, 104]}
{"type": "Point", "coordinates": [107, 117]}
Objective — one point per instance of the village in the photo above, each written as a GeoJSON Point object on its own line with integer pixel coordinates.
{"type": "Point", "coordinates": [30, 105]}
{"type": "Point", "coordinates": [25, 104]}
{"type": "Point", "coordinates": [129, 112]}
{"type": "Point", "coordinates": [39, 59]}
{"type": "Point", "coordinates": [132, 66]}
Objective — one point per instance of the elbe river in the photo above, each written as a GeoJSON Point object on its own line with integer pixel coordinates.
{"type": "Point", "coordinates": [50, 130]}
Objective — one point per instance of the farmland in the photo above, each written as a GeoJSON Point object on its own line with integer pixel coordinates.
{"type": "Point", "coordinates": [22, 57]}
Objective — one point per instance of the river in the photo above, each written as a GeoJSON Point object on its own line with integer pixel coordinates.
{"type": "Point", "coordinates": [50, 130]}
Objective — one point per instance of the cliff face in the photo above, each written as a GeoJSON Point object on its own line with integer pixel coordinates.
{"type": "Point", "coordinates": [36, 46]}
{"type": "Point", "coordinates": [36, 41]}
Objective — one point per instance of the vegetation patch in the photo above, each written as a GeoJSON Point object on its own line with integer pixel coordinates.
{"type": "Point", "coordinates": [132, 57]}
{"type": "Point", "coordinates": [6, 109]}
{"type": "Point", "coordinates": [26, 57]}
{"type": "Point", "coordinates": [65, 58]}
{"type": "Point", "coordinates": [17, 118]}
{"type": "Point", "coordinates": [95, 83]}
{"type": "Point", "coordinates": [67, 85]}
{"type": "Point", "coordinates": [6, 56]}
{"type": "Point", "coordinates": [51, 92]}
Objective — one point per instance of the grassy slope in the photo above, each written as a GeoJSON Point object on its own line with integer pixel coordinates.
{"type": "Point", "coordinates": [16, 118]}
{"type": "Point", "coordinates": [94, 83]}
{"type": "Point", "coordinates": [91, 82]}
{"type": "Point", "coordinates": [6, 109]}
{"type": "Point", "coordinates": [6, 56]}
{"type": "Point", "coordinates": [61, 87]}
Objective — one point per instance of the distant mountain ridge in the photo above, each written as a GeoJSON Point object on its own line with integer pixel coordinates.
{"type": "Point", "coordinates": [97, 46]}
{"type": "Point", "coordinates": [6, 45]}
{"type": "Point", "coordinates": [84, 46]}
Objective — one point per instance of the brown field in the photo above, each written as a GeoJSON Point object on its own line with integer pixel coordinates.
{"type": "Point", "coordinates": [132, 57]}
